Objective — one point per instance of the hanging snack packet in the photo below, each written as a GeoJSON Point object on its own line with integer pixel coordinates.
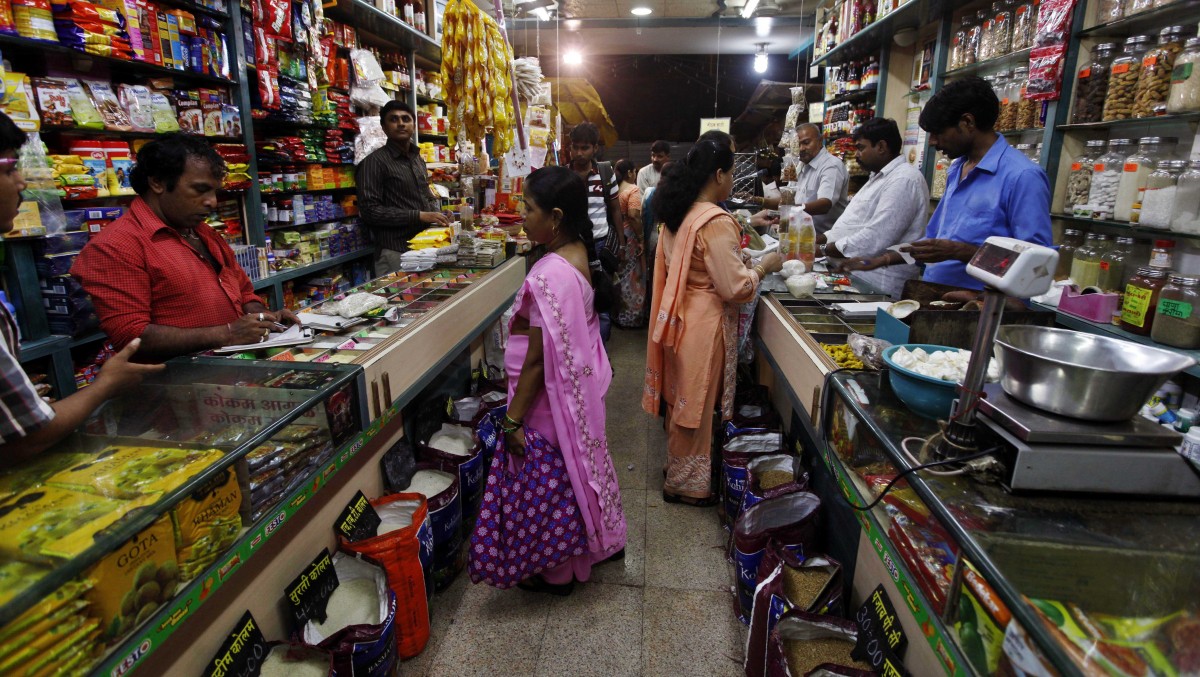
{"type": "Point", "coordinates": [18, 102]}
{"type": "Point", "coordinates": [53, 102]}
{"type": "Point", "coordinates": [163, 113]}
{"type": "Point", "coordinates": [114, 116]}
{"type": "Point", "coordinates": [135, 99]}
{"type": "Point", "coordinates": [82, 108]}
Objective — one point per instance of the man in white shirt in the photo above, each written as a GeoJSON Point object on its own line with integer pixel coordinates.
{"type": "Point", "coordinates": [892, 208]}
{"type": "Point", "coordinates": [649, 175]}
{"type": "Point", "coordinates": [822, 179]}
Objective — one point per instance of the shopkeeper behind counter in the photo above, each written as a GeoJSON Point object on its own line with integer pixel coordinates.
{"type": "Point", "coordinates": [27, 423]}
{"type": "Point", "coordinates": [991, 188]}
{"type": "Point", "coordinates": [161, 273]}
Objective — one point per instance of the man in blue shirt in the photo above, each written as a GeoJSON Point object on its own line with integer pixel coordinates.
{"type": "Point", "coordinates": [991, 188]}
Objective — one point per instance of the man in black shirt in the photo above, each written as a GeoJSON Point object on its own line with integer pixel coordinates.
{"type": "Point", "coordinates": [393, 189]}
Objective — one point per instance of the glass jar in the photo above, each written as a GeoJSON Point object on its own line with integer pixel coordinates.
{"type": "Point", "coordinates": [1029, 112]}
{"type": "Point", "coordinates": [1091, 84]}
{"type": "Point", "coordinates": [1158, 204]}
{"type": "Point", "coordinates": [1085, 262]}
{"type": "Point", "coordinates": [1177, 319]}
{"type": "Point", "coordinates": [1001, 28]}
{"type": "Point", "coordinates": [974, 38]}
{"type": "Point", "coordinates": [1113, 265]}
{"type": "Point", "coordinates": [1106, 178]}
{"type": "Point", "coordinates": [1109, 10]}
{"type": "Point", "coordinates": [1137, 6]}
{"type": "Point", "coordinates": [1123, 77]}
{"type": "Point", "coordinates": [1024, 24]}
{"type": "Point", "coordinates": [1187, 202]}
{"type": "Point", "coordinates": [1141, 299]}
{"type": "Point", "coordinates": [1003, 86]}
{"type": "Point", "coordinates": [1184, 94]}
{"type": "Point", "coordinates": [984, 18]}
{"type": "Point", "coordinates": [1072, 241]}
{"type": "Point", "coordinates": [1161, 255]}
{"type": "Point", "coordinates": [1079, 180]}
{"type": "Point", "coordinates": [1136, 171]}
{"type": "Point", "coordinates": [1154, 80]}
{"type": "Point", "coordinates": [958, 45]}
{"type": "Point", "coordinates": [1029, 150]}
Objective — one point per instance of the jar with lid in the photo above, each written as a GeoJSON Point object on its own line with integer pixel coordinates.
{"type": "Point", "coordinates": [1184, 94]}
{"type": "Point", "coordinates": [1001, 28]}
{"type": "Point", "coordinates": [1079, 181]}
{"type": "Point", "coordinates": [1003, 86]}
{"type": "Point", "coordinates": [985, 35]}
{"type": "Point", "coordinates": [1154, 80]}
{"type": "Point", "coordinates": [1141, 299]}
{"type": "Point", "coordinates": [1161, 254]}
{"type": "Point", "coordinates": [1177, 320]}
{"type": "Point", "coordinates": [1109, 10]}
{"type": "Point", "coordinates": [1187, 202]}
{"type": "Point", "coordinates": [1106, 178]}
{"type": "Point", "coordinates": [1029, 112]}
{"type": "Point", "coordinates": [1158, 204]}
{"type": "Point", "coordinates": [1029, 150]}
{"type": "Point", "coordinates": [1091, 84]}
{"type": "Point", "coordinates": [958, 45]}
{"type": "Point", "coordinates": [1085, 261]}
{"type": "Point", "coordinates": [1136, 171]}
{"type": "Point", "coordinates": [970, 53]}
{"type": "Point", "coordinates": [1024, 25]}
{"type": "Point", "coordinates": [1072, 241]}
{"type": "Point", "coordinates": [1113, 264]}
{"type": "Point", "coordinates": [1137, 6]}
{"type": "Point", "coordinates": [1123, 77]}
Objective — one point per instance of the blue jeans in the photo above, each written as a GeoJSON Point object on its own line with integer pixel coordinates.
{"type": "Point", "coordinates": [605, 318]}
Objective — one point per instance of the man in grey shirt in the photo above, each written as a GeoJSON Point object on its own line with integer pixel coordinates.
{"type": "Point", "coordinates": [393, 189]}
{"type": "Point", "coordinates": [822, 179]}
{"type": "Point", "coordinates": [892, 208]}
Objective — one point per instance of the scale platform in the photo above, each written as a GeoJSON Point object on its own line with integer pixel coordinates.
{"type": "Point", "coordinates": [1044, 452]}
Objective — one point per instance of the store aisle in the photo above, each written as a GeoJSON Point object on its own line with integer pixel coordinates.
{"type": "Point", "coordinates": [665, 610]}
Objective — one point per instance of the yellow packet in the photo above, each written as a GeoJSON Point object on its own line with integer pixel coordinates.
{"type": "Point", "coordinates": [34, 523]}
{"type": "Point", "coordinates": [130, 472]}
{"type": "Point", "coordinates": [66, 597]}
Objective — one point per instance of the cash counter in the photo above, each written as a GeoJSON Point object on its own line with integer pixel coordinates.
{"type": "Point", "coordinates": [985, 581]}
{"type": "Point", "coordinates": [134, 544]}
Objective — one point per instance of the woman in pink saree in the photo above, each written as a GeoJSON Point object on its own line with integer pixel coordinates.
{"type": "Point", "coordinates": [558, 370]}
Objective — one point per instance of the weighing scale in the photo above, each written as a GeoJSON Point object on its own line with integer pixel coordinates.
{"type": "Point", "coordinates": [1041, 451]}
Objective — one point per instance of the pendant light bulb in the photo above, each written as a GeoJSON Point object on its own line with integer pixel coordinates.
{"type": "Point", "coordinates": [760, 58]}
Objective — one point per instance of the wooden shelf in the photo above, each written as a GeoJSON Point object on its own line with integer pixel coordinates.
{"type": "Point", "coordinates": [1132, 122]}
{"type": "Point", "coordinates": [384, 28]}
{"type": "Point", "coordinates": [41, 47]}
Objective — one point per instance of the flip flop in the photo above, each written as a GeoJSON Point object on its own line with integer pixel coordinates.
{"type": "Point", "coordinates": [688, 500]}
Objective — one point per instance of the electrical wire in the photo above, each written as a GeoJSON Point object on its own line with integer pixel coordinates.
{"type": "Point", "coordinates": [912, 459]}
{"type": "Point", "coordinates": [888, 487]}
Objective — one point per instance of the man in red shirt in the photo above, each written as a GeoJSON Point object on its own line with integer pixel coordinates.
{"type": "Point", "coordinates": [160, 273]}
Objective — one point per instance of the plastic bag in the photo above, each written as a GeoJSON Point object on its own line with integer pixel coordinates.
{"type": "Point", "coordinates": [789, 521]}
{"type": "Point", "coordinates": [1045, 73]}
{"type": "Point", "coordinates": [799, 626]}
{"type": "Point", "coordinates": [370, 137]}
{"type": "Point", "coordinates": [363, 649]}
{"type": "Point", "coordinates": [736, 454]}
{"type": "Point", "coordinates": [772, 599]}
{"type": "Point", "coordinates": [1053, 23]}
{"type": "Point", "coordinates": [356, 305]}
{"type": "Point", "coordinates": [41, 194]}
{"type": "Point", "coordinates": [868, 349]}
{"type": "Point", "coordinates": [772, 476]}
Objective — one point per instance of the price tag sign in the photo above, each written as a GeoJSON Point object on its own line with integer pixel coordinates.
{"type": "Point", "coordinates": [714, 124]}
{"type": "Point", "coordinates": [308, 594]}
{"type": "Point", "coordinates": [359, 520]}
{"type": "Point", "coordinates": [242, 653]}
{"type": "Point", "coordinates": [881, 640]}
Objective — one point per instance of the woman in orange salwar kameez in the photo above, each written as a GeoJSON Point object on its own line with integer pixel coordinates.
{"type": "Point", "coordinates": [700, 278]}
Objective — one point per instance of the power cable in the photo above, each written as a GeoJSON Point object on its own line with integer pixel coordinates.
{"type": "Point", "coordinates": [888, 487]}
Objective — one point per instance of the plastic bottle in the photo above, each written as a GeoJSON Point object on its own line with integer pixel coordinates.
{"type": "Point", "coordinates": [805, 238]}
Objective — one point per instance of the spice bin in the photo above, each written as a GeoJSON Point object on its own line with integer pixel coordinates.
{"type": "Point", "coordinates": [1184, 94]}
{"type": "Point", "coordinates": [1079, 181]}
{"type": "Point", "coordinates": [1158, 204]}
{"type": "Point", "coordinates": [1106, 177]}
{"type": "Point", "coordinates": [1136, 172]}
{"type": "Point", "coordinates": [1024, 25]}
{"type": "Point", "coordinates": [1114, 265]}
{"type": "Point", "coordinates": [1091, 84]}
{"type": "Point", "coordinates": [1177, 318]}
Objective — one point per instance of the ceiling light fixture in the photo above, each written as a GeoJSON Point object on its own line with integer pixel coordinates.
{"type": "Point", "coordinates": [762, 26]}
{"type": "Point", "coordinates": [748, 8]}
{"type": "Point", "coordinates": [573, 57]}
{"type": "Point", "coordinates": [641, 11]}
{"type": "Point", "coordinates": [760, 58]}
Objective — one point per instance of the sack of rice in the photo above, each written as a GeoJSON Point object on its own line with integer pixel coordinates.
{"type": "Point", "coordinates": [790, 521]}
{"type": "Point", "coordinates": [296, 660]}
{"type": "Point", "coordinates": [803, 642]}
{"type": "Point", "coordinates": [403, 546]}
{"type": "Point", "coordinates": [736, 454]}
{"type": "Point", "coordinates": [360, 621]}
{"type": "Point", "coordinates": [456, 445]}
{"type": "Point", "coordinates": [788, 582]}
{"type": "Point", "coordinates": [771, 476]}
{"type": "Point", "coordinates": [438, 483]}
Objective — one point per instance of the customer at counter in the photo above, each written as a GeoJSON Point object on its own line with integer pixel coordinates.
{"type": "Point", "coordinates": [27, 423]}
{"type": "Point", "coordinates": [890, 209]}
{"type": "Point", "coordinates": [992, 188]}
{"type": "Point", "coordinates": [161, 273]}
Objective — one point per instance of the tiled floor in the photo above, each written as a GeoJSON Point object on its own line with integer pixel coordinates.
{"type": "Point", "coordinates": [665, 610]}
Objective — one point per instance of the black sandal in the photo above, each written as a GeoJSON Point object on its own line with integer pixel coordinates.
{"type": "Point", "coordinates": [539, 584]}
{"type": "Point", "coordinates": [688, 500]}
{"type": "Point", "coordinates": [615, 557]}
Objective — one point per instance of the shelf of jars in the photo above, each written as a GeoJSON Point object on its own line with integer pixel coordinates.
{"type": "Point", "coordinates": [1158, 120]}
{"type": "Point", "coordinates": [1115, 331]}
{"type": "Point", "coordinates": [1113, 18]}
{"type": "Point", "coordinates": [1125, 226]}
{"type": "Point", "coordinates": [856, 96]}
{"type": "Point", "coordinates": [998, 63]}
{"type": "Point", "coordinates": [865, 32]}
{"type": "Point", "coordinates": [992, 38]}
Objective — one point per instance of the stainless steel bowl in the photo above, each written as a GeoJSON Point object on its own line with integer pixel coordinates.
{"type": "Point", "coordinates": [1082, 375]}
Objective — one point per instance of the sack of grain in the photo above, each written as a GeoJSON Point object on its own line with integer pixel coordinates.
{"type": "Point", "coordinates": [456, 445]}
{"type": "Point", "coordinates": [403, 546]}
{"type": "Point", "coordinates": [438, 483]}
{"type": "Point", "coordinates": [787, 582]}
{"type": "Point", "coordinates": [296, 660]}
{"type": "Point", "coordinates": [736, 454]}
{"type": "Point", "coordinates": [789, 521]}
{"type": "Point", "coordinates": [771, 476]}
{"type": "Point", "coordinates": [802, 642]}
{"type": "Point", "coordinates": [360, 623]}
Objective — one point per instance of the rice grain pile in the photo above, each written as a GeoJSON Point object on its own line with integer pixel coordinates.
{"type": "Point", "coordinates": [430, 483]}
{"type": "Point", "coordinates": [395, 515]}
{"type": "Point", "coordinates": [805, 654]}
{"type": "Point", "coordinates": [452, 440]}
{"type": "Point", "coordinates": [278, 665]}
{"type": "Point", "coordinates": [774, 478]}
{"type": "Point", "coordinates": [354, 602]}
{"type": "Point", "coordinates": [804, 584]}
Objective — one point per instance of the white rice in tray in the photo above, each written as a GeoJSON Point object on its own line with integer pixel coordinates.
{"type": "Point", "coordinates": [278, 665]}
{"type": "Point", "coordinates": [396, 515]}
{"type": "Point", "coordinates": [429, 483]}
{"type": "Point", "coordinates": [453, 439]}
{"type": "Point", "coordinates": [354, 602]}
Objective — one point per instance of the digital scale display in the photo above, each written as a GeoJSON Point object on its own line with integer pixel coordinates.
{"type": "Point", "coordinates": [995, 260]}
{"type": "Point", "coordinates": [1015, 267]}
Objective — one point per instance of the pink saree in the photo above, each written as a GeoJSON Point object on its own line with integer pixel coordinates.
{"type": "Point", "coordinates": [570, 411]}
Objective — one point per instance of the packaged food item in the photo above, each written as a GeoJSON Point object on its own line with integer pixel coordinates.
{"type": "Point", "coordinates": [48, 522]}
{"type": "Point", "coordinates": [121, 161]}
{"type": "Point", "coordinates": [134, 580]}
{"type": "Point", "coordinates": [16, 576]}
{"type": "Point", "coordinates": [207, 523]}
{"type": "Point", "coordinates": [82, 108]}
{"type": "Point", "coordinates": [166, 120]}
{"type": "Point", "coordinates": [53, 102]}
{"type": "Point", "coordinates": [135, 99]}
{"type": "Point", "coordinates": [1154, 78]}
{"type": "Point", "coordinates": [130, 472]}
{"type": "Point", "coordinates": [191, 116]}
{"type": "Point", "coordinates": [106, 101]}
{"type": "Point", "coordinates": [18, 102]}
{"type": "Point", "coordinates": [34, 472]}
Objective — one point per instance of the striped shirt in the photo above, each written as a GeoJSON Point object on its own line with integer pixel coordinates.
{"type": "Point", "coordinates": [393, 190]}
{"type": "Point", "coordinates": [22, 410]}
{"type": "Point", "coordinates": [598, 203]}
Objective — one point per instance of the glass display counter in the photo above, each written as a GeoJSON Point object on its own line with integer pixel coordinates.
{"type": "Point", "coordinates": [1044, 585]}
{"type": "Point", "coordinates": [100, 535]}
